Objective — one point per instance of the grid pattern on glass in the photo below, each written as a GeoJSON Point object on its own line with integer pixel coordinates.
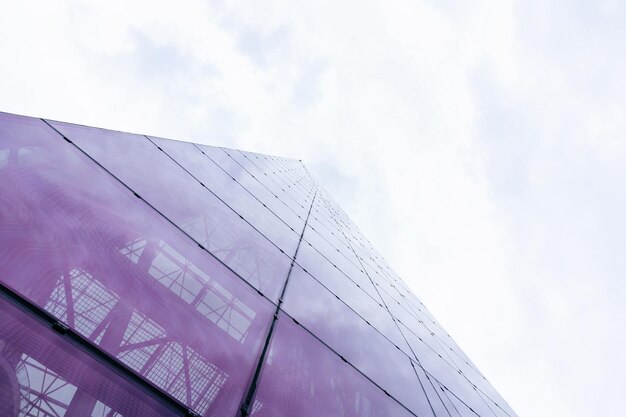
{"type": "Point", "coordinates": [43, 375]}
{"type": "Point", "coordinates": [77, 243]}
{"type": "Point", "coordinates": [253, 184]}
{"type": "Point", "coordinates": [344, 331]}
{"type": "Point", "coordinates": [304, 378]}
{"type": "Point", "coordinates": [104, 233]}
{"type": "Point", "coordinates": [165, 185]}
{"type": "Point", "coordinates": [462, 385]}
{"type": "Point", "coordinates": [231, 192]}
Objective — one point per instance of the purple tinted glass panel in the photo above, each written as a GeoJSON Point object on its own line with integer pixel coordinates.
{"type": "Point", "coordinates": [266, 177]}
{"type": "Point", "coordinates": [254, 185]}
{"type": "Point", "coordinates": [445, 395]}
{"type": "Point", "coordinates": [445, 374]}
{"type": "Point", "coordinates": [42, 374]}
{"type": "Point", "coordinates": [497, 411]}
{"type": "Point", "coordinates": [162, 260]}
{"type": "Point", "coordinates": [333, 236]}
{"type": "Point", "coordinates": [433, 392]}
{"type": "Point", "coordinates": [77, 243]}
{"type": "Point", "coordinates": [326, 217]}
{"type": "Point", "coordinates": [417, 329]}
{"type": "Point", "coordinates": [270, 181]}
{"type": "Point", "coordinates": [324, 270]}
{"type": "Point", "coordinates": [231, 192]}
{"type": "Point", "coordinates": [340, 255]}
{"type": "Point", "coordinates": [290, 180]}
{"type": "Point", "coordinates": [165, 185]}
{"type": "Point", "coordinates": [474, 376]}
{"type": "Point", "coordinates": [344, 331]}
{"type": "Point", "coordinates": [285, 187]}
{"type": "Point", "coordinates": [459, 408]}
{"type": "Point", "coordinates": [303, 378]}
{"type": "Point", "coordinates": [354, 297]}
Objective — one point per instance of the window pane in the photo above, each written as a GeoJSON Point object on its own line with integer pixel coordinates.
{"type": "Point", "coordinates": [77, 243]}
{"type": "Point", "coordinates": [444, 373]}
{"type": "Point", "coordinates": [343, 257]}
{"type": "Point", "coordinates": [323, 269]}
{"type": "Point", "coordinates": [293, 181]}
{"type": "Point", "coordinates": [172, 191]}
{"type": "Point", "coordinates": [42, 374]}
{"type": "Point", "coordinates": [232, 193]}
{"type": "Point", "coordinates": [344, 331]}
{"type": "Point", "coordinates": [302, 377]}
{"type": "Point", "coordinates": [338, 284]}
{"type": "Point", "coordinates": [253, 183]}
{"type": "Point", "coordinates": [271, 182]}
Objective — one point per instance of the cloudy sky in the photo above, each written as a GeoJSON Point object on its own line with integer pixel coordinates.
{"type": "Point", "coordinates": [481, 146]}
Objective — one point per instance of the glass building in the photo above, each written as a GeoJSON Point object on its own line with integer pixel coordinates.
{"type": "Point", "coordinates": [142, 276]}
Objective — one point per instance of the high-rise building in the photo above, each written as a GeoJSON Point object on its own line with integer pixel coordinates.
{"type": "Point", "coordinates": [143, 277]}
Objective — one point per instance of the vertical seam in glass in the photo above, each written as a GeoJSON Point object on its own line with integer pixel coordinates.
{"type": "Point", "coordinates": [349, 363]}
{"type": "Point", "coordinates": [248, 399]}
{"type": "Point", "coordinates": [353, 239]}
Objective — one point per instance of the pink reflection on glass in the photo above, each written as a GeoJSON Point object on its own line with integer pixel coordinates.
{"type": "Point", "coordinates": [160, 181]}
{"type": "Point", "coordinates": [231, 192]}
{"type": "Point", "coordinates": [77, 243]}
{"type": "Point", "coordinates": [41, 374]}
{"type": "Point", "coordinates": [348, 334]}
{"type": "Point", "coordinates": [304, 378]}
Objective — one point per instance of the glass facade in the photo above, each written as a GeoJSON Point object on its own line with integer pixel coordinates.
{"type": "Point", "coordinates": [142, 276]}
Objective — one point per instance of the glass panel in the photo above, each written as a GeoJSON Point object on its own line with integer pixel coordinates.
{"type": "Point", "coordinates": [264, 176]}
{"type": "Point", "coordinates": [254, 185]}
{"type": "Point", "coordinates": [309, 258]}
{"type": "Point", "coordinates": [459, 408]}
{"type": "Point", "coordinates": [79, 244]}
{"type": "Point", "coordinates": [445, 395]}
{"type": "Point", "coordinates": [433, 392]}
{"type": "Point", "coordinates": [303, 378]}
{"type": "Point", "coordinates": [475, 377]}
{"type": "Point", "coordinates": [42, 374]}
{"type": "Point", "coordinates": [232, 193]}
{"type": "Point", "coordinates": [414, 325]}
{"type": "Point", "coordinates": [344, 331]}
{"type": "Point", "coordinates": [332, 234]}
{"type": "Point", "coordinates": [288, 180]}
{"type": "Point", "coordinates": [270, 182]}
{"type": "Point", "coordinates": [383, 284]}
{"type": "Point", "coordinates": [172, 191]}
{"type": "Point", "coordinates": [325, 219]}
{"type": "Point", "coordinates": [333, 252]}
{"type": "Point", "coordinates": [495, 410]}
{"type": "Point", "coordinates": [355, 298]}
{"type": "Point", "coordinates": [370, 262]}
{"type": "Point", "coordinates": [444, 373]}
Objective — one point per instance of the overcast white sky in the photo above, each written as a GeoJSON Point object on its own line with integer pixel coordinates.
{"type": "Point", "coordinates": [481, 146]}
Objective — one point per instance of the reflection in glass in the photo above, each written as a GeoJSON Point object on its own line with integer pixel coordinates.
{"type": "Point", "coordinates": [165, 185]}
{"type": "Point", "coordinates": [114, 253]}
{"type": "Point", "coordinates": [78, 244]}
{"type": "Point", "coordinates": [43, 375]}
{"type": "Point", "coordinates": [304, 378]}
